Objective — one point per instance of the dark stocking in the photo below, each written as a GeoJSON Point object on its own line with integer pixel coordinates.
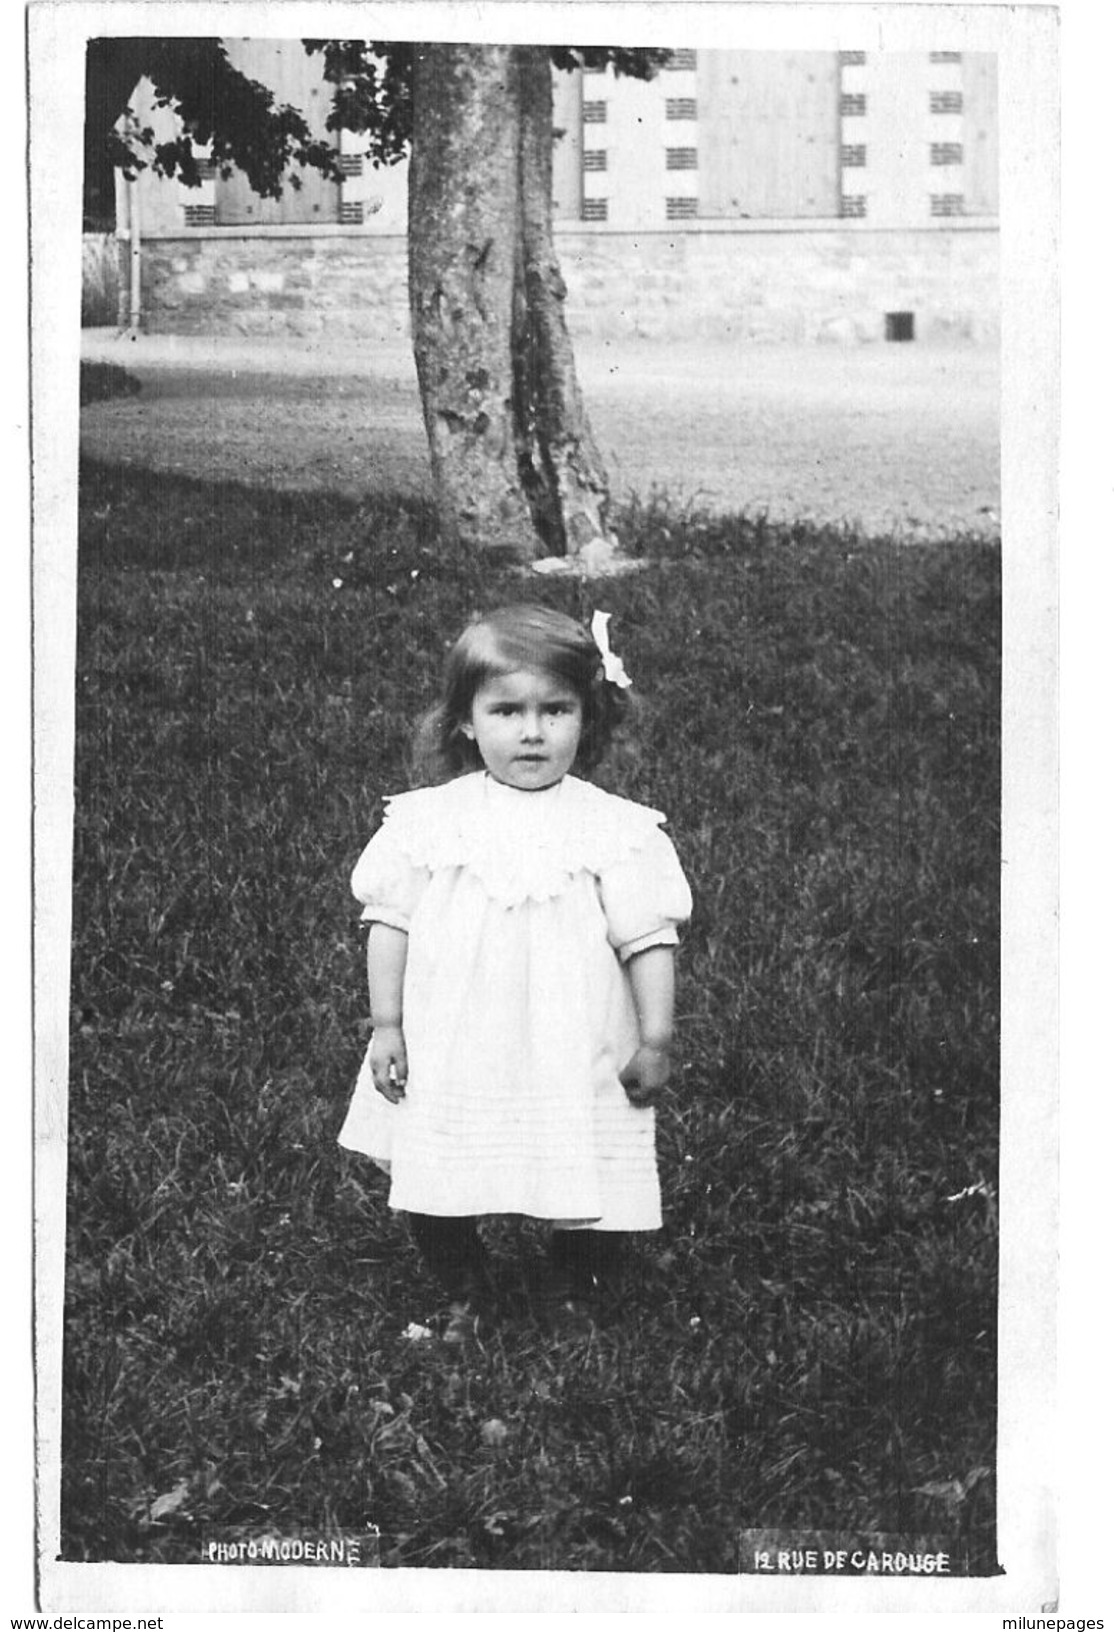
{"type": "Point", "coordinates": [452, 1252]}
{"type": "Point", "coordinates": [587, 1262]}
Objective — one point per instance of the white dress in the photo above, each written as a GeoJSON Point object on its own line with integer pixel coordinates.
{"type": "Point", "coordinates": [522, 909]}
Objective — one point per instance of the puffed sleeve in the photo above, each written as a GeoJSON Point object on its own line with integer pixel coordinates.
{"type": "Point", "coordinates": [387, 881]}
{"type": "Point", "coordinates": [645, 896]}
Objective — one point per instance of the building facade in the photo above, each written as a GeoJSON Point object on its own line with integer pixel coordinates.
{"type": "Point", "coordinates": [750, 195]}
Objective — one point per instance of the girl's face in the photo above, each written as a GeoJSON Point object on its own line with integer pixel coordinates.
{"type": "Point", "coordinates": [527, 727]}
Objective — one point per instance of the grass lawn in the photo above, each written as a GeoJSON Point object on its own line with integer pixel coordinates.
{"type": "Point", "coordinates": [813, 1344]}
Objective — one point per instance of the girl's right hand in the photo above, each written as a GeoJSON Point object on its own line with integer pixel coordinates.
{"type": "Point", "coordinates": [388, 1062]}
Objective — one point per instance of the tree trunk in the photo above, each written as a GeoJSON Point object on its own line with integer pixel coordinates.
{"type": "Point", "coordinates": [463, 209]}
{"type": "Point", "coordinates": [515, 469]}
{"type": "Point", "coordinates": [563, 474]}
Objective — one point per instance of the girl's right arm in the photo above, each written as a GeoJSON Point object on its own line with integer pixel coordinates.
{"type": "Point", "coordinates": [386, 966]}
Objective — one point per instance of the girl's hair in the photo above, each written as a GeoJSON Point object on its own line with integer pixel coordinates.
{"type": "Point", "coordinates": [499, 642]}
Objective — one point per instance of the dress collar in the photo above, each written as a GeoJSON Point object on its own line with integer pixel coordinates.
{"type": "Point", "coordinates": [521, 845]}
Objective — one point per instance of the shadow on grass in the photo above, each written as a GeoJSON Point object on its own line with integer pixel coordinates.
{"type": "Point", "coordinates": [100, 382]}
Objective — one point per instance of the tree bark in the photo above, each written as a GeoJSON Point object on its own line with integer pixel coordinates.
{"type": "Point", "coordinates": [463, 214]}
{"type": "Point", "coordinates": [563, 474]}
{"type": "Point", "coordinates": [515, 469]}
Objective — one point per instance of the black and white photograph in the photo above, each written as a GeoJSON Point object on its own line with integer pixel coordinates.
{"type": "Point", "coordinates": [544, 647]}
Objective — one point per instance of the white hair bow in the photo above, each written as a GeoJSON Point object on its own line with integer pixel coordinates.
{"type": "Point", "coordinates": [613, 669]}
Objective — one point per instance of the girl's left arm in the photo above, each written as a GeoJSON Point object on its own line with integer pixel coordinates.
{"type": "Point", "coordinates": [652, 983]}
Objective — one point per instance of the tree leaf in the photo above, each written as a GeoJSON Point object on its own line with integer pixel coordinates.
{"type": "Point", "coordinates": [163, 1506]}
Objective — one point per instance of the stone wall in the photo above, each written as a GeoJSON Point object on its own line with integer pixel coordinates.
{"type": "Point", "coordinates": [784, 286]}
{"type": "Point", "coordinates": [264, 284]}
{"type": "Point", "coordinates": [774, 284]}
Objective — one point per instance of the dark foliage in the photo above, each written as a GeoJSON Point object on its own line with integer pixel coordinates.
{"type": "Point", "coordinates": [217, 105]}
{"type": "Point", "coordinates": [247, 128]}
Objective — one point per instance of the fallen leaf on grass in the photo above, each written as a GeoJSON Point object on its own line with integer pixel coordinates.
{"type": "Point", "coordinates": [953, 1491]}
{"type": "Point", "coordinates": [163, 1506]}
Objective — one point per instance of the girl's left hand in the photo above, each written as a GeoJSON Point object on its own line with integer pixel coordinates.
{"type": "Point", "coordinates": [646, 1074]}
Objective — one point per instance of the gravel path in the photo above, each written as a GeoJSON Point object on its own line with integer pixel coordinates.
{"type": "Point", "coordinates": [893, 437]}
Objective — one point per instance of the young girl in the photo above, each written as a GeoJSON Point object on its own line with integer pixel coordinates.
{"type": "Point", "coordinates": [520, 966]}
